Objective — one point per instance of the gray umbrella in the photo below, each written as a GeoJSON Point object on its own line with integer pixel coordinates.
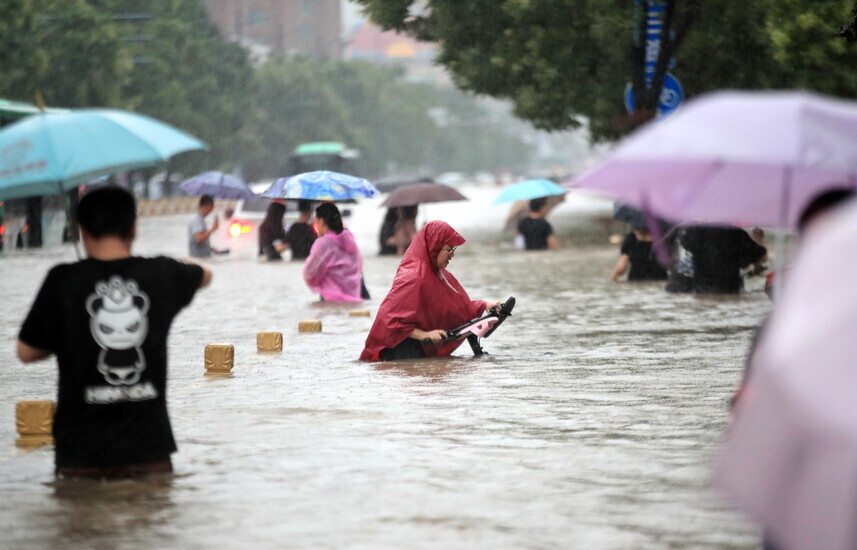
{"type": "Point", "coordinates": [412, 195]}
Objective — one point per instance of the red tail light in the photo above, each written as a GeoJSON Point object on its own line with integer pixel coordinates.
{"type": "Point", "coordinates": [237, 228]}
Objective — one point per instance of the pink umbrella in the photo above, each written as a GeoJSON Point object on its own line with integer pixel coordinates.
{"type": "Point", "coordinates": [748, 158]}
{"type": "Point", "coordinates": [790, 455]}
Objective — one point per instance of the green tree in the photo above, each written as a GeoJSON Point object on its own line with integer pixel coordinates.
{"type": "Point", "coordinates": [188, 76]}
{"type": "Point", "coordinates": [372, 109]}
{"type": "Point", "coordinates": [65, 50]}
{"type": "Point", "coordinates": [294, 104]}
{"type": "Point", "coordinates": [806, 46]}
{"type": "Point", "coordinates": [557, 60]}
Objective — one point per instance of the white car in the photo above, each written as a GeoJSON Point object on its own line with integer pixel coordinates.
{"type": "Point", "coordinates": [452, 178]}
{"type": "Point", "coordinates": [240, 232]}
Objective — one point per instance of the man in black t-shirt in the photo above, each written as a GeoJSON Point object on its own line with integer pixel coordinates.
{"type": "Point", "coordinates": [535, 229]}
{"type": "Point", "coordinates": [106, 318]}
{"type": "Point", "coordinates": [719, 253]}
{"type": "Point", "coordinates": [301, 234]}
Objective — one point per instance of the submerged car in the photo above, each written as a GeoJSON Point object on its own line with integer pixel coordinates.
{"type": "Point", "coordinates": [240, 232]}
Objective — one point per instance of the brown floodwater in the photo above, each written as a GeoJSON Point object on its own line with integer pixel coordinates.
{"type": "Point", "coordinates": [591, 423]}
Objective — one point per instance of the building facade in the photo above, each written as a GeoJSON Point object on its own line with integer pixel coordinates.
{"type": "Point", "coordinates": [288, 27]}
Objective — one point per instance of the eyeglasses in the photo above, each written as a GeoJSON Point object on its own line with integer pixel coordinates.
{"type": "Point", "coordinates": [451, 249]}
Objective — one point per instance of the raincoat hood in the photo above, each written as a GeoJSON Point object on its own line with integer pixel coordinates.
{"type": "Point", "coordinates": [344, 240]}
{"type": "Point", "coordinates": [422, 297]}
{"type": "Point", "coordinates": [428, 244]}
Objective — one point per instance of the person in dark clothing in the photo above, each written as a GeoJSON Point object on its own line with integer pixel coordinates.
{"type": "Point", "coordinates": [405, 229]}
{"type": "Point", "coordinates": [719, 253]}
{"type": "Point", "coordinates": [107, 318]}
{"type": "Point", "coordinates": [636, 254]}
{"type": "Point", "coordinates": [388, 230]}
{"type": "Point", "coordinates": [272, 235]}
{"type": "Point", "coordinates": [536, 230]}
{"type": "Point", "coordinates": [680, 273]}
{"type": "Point", "coordinates": [301, 234]}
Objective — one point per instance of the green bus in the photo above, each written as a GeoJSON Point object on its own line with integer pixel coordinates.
{"type": "Point", "coordinates": [323, 155]}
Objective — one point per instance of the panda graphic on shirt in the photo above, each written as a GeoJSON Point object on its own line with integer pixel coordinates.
{"type": "Point", "coordinates": [118, 323]}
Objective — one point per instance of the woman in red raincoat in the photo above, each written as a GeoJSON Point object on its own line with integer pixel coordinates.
{"type": "Point", "coordinates": [425, 301]}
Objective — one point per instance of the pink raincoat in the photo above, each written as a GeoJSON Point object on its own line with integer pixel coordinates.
{"type": "Point", "coordinates": [334, 266]}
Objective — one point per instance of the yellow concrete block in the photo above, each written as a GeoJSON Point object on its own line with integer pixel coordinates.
{"type": "Point", "coordinates": [269, 341]}
{"type": "Point", "coordinates": [35, 423]}
{"type": "Point", "coordinates": [309, 326]}
{"type": "Point", "coordinates": [358, 313]}
{"type": "Point", "coordinates": [219, 359]}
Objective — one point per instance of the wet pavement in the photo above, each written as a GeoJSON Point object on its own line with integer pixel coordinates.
{"type": "Point", "coordinates": [590, 425]}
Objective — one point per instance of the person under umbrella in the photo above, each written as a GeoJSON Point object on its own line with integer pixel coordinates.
{"type": "Point", "coordinates": [535, 231]}
{"type": "Point", "coordinates": [719, 254]}
{"type": "Point", "coordinates": [424, 302]}
{"type": "Point", "coordinates": [385, 235]}
{"type": "Point", "coordinates": [405, 229]}
{"type": "Point", "coordinates": [637, 258]}
{"type": "Point", "coordinates": [398, 230]}
{"type": "Point", "coordinates": [333, 268]}
{"type": "Point", "coordinates": [199, 234]}
{"type": "Point", "coordinates": [301, 235]}
{"type": "Point", "coordinates": [272, 235]}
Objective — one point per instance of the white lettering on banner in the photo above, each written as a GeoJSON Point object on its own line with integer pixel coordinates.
{"type": "Point", "coordinates": [103, 395]}
{"type": "Point", "coordinates": [653, 47]}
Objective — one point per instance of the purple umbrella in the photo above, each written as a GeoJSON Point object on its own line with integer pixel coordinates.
{"type": "Point", "coordinates": [218, 185]}
{"type": "Point", "coordinates": [748, 158]}
{"type": "Point", "coordinates": [789, 456]}
{"type": "Point", "coordinates": [412, 195]}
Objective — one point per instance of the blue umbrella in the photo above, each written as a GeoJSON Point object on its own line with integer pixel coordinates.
{"type": "Point", "coordinates": [218, 185]}
{"type": "Point", "coordinates": [321, 185]}
{"type": "Point", "coordinates": [529, 189]}
{"type": "Point", "coordinates": [46, 153]}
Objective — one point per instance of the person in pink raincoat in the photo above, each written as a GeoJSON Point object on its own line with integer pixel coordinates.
{"type": "Point", "coordinates": [333, 268]}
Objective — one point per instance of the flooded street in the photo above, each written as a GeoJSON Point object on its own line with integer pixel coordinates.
{"type": "Point", "coordinates": [590, 425]}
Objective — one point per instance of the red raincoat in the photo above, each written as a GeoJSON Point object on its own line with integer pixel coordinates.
{"type": "Point", "coordinates": [422, 297]}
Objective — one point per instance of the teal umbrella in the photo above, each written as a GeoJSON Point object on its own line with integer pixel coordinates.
{"type": "Point", "coordinates": [529, 189]}
{"type": "Point", "coordinates": [16, 109]}
{"type": "Point", "coordinates": [47, 153]}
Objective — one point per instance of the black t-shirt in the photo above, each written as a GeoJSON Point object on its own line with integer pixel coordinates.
{"type": "Point", "coordinates": [718, 255]}
{"type": "Point", "coordinates": [536, 232]}
{"type": "Point", "coordinates": [644, 266]}
{"type": "Point", "coordinates": [267, 236]}
{"type": "Point", "coordinates": [300, 237]}
{"type": "Point", "coordinates": [107, 322]}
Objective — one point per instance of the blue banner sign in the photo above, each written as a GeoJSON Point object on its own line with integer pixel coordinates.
{"type": "Point", "coordinates": [671, 96]}
{"type": "Point", "coordinates": [654, 33]}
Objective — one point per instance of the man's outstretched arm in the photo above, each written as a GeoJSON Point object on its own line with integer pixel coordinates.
{"type": "Point", "coordinates": [28, 354]}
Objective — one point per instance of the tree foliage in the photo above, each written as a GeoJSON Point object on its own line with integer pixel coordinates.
{"type": "Point", "coordinates": [372, 109]}
{"type": "Point", "coordinates": [190, 77]}
{"type": "Point", "coordinates": [558, 60]}
{"type": "Point", "coordinates": [46, 47]}
{"type": "Point", "coordinates": [805, 44]}
{"type": "Point", "coordinates": [165, 58]}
